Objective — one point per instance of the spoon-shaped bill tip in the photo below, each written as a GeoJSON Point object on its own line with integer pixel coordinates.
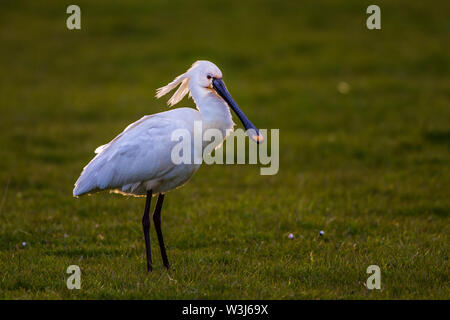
{"type": "Point", "coordinates": [257, 137]}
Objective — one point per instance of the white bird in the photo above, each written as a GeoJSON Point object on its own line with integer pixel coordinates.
{"type": "Point", "coordinates": [138, 161]}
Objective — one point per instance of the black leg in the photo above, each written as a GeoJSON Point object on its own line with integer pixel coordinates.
{"type": "Point", "coordinates": [146, 227]}
{"type": "Point", "coordinates": [157, 222]}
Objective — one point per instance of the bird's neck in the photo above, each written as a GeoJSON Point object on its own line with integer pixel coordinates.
{"type": "Point", "coordinates": [214, 111]}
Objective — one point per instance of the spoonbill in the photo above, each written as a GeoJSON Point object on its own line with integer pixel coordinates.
{"type": "Point", "coordinates": [138, 161]}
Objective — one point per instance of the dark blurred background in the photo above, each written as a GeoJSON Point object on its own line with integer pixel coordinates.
{"type": "Point", "coordinates": [364, 123]}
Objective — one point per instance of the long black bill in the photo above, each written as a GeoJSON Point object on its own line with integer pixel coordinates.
{"type": "Point", "coordinates": [221, 89]}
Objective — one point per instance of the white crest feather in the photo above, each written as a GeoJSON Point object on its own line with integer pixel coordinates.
{"type": "Point", "coordinates": [179, 94]}
{"type": "Point", "coordinates": [183, 90]}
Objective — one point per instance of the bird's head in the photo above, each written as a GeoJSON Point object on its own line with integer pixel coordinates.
{"type": "Point", "coordinates": [202, 73]}
{"type": "Point", "coordinates": [199, 77]}
{"type": "Point", "coordinates": [206, 77]}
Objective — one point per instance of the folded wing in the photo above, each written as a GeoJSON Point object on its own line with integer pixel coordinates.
{"type": "Point", "coordinates": [141, 152]}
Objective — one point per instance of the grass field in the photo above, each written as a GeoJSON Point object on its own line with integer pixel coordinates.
{"type": "Point", "coordinates": [369, 167]}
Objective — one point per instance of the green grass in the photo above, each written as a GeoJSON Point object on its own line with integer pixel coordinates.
{"type": "Point", "coordinates": [370, 167]}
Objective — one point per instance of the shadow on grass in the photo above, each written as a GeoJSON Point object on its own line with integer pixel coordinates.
{"type": "Point", "coordinates": [440, 211]}
{"type": "Point", "coordinates": [438, 136]}
{"type": "Point", "coordinates": [87, 252]}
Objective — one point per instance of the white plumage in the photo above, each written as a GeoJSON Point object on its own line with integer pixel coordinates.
{"type": "Point", "coordinates": [139, 159]}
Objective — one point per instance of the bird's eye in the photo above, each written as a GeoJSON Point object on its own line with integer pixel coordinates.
{"type": "Point", "coordinates": [209, 76]}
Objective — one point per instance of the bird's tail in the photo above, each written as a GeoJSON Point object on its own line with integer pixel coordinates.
{"type": "Point", "coordinates": [81, 187]}
{"type": "Point", "coordinates": [87, 182]}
